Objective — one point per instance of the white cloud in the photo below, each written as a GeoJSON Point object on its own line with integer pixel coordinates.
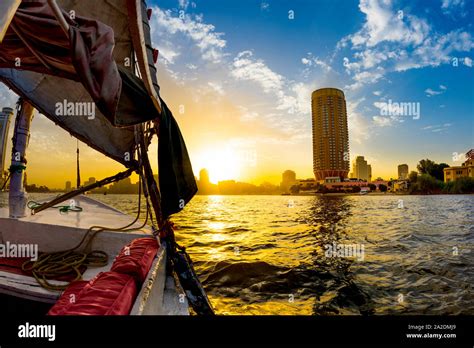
{"type": "Point", "coordinates": [202, 35]}
{"type": "Point", "coordinates": [299, 100]}
{"type": "Point", "coordinates": [216, 87]}
{"type": "Point", "coordinates": [359, 126]}
{"type": "Point", "coordinates": [246, 115]}
{"type": "Point", "coordinates": [201, 44]}
{"type": "Point", "coordinates": [439, 49]}
{"type": "Point", "coordinates": [184, 4]}
{"type": "Point", "coordinates": [394, 41]}
{"type": "Point", "coordinates": [247, 68]}
{"type": "Point", "coordinates": [311, 61]}
{"type": "Point", "coordinates": [450, 6]}
{"type": "Point", "coordinates": [377, 93]}
{"type": "Point", "coordinates": [450, 3]}
{"type": "Point", "coordinates": [265, 6]}
{"type": "Point", "coordinates": [437, 128]}
{"type": "Point", "coordinates": [384, 24]}
{"type": "Point", "coordinates": [365, 77]}
{"type": "Point", "coordinates": [169, 54]}
{"type": "Point", "coordinates": [431, 92]}
{"type": "Point", "coordinates": [382, 121]}
{"type": "Point", "coordinates": [380, 105]}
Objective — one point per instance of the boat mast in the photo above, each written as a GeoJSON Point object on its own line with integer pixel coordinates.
{"type": "Point", "coordinates": [78, 170]}
{"type": "Point", "coordinates": [17, 196]}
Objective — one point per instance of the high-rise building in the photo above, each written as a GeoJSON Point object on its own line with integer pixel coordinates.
{"type": "Point", "coordinates": [91, 181]}
{"type": "Point", "coordinates": [5, 117]}
{"type": "Point", "coordinates": [205, 187]}
{"type": "Point", "coordinates": [204, 176]}
{"type": "Point", "coordinates": [330, 134]}
{"type": "Point", "coordinates": [68, 186]}
{"type": "Point", "coordinates": [288, 178]}
{"type": "Point", "coordinates": [402, 171]}
{"type": "Point", "coordinates": [361, 169]}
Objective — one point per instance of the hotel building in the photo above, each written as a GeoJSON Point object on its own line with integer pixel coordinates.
{"type": "Point", "coordinates": [330, 134]}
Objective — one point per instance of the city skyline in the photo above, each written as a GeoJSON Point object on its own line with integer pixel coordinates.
{"type": "Point", "coordinates": [243, 97]}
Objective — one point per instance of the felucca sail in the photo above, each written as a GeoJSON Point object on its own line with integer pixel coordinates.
{"type": "Point", "coordinates": [95, 63]}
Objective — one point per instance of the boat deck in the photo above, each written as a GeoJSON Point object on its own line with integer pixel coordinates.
{"type": "Point", "coordinates": [55, 231]}
{"type": "Point", "coordinates": [51, 230]}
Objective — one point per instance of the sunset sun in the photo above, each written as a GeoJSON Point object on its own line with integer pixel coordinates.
{"type": "Point", "coordinates": [222, 163]}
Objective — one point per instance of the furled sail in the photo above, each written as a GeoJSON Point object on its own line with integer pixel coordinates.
{"type": "Point", "coordinates": [36, 62]}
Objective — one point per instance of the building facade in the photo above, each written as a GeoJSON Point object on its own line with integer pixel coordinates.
{"type": "Point", "coordinates": [6, 116]}
{"type": "Point", "coordinates": [402, 171]}
{"type": "Point", "coordinates": [330, 134]}
{"type": "Point", "coordinates": [464, 170]}
{"type": "Point", "coordinates": [288, 179]}
{"type": "Point", "coordinates": [361, 169]}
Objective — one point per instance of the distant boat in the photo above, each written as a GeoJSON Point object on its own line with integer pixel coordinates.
{"type": "Point", "coordinates": [364, 190]}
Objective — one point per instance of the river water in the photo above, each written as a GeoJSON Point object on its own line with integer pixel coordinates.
{"type": "Point", "coordinates": [270, 254]}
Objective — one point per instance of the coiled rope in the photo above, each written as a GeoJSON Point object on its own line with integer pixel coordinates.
{"type": "Point", "coordinates": [52, 265]}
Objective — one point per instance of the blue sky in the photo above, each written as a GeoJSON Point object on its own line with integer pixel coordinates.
{"type": "Point", "coordinates": [266, 64]}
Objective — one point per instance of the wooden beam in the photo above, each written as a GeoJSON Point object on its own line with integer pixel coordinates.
{"type": "Point", "coordinates": [68, 195]}
{"type": "Point", "coordinates": [138, 40]}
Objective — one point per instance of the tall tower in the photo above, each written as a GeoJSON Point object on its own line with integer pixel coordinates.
{"type": "Point", "coordinates": [330, 134]}
{"type": "Point", "coordinates": [288, 178]}
{"type": "Point", "coordinates": [204, 177]}
{"type": "Point", "coordinates": [5, 117]}
{"type": "Point", "coordinates": [361, 169]}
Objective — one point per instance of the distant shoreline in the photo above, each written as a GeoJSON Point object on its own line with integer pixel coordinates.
{"type": "Point", "coordinates": [286, 195]}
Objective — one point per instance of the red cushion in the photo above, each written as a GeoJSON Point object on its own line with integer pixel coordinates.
{"type": "Point", "coordinates": [136, 258]}
{"type": "Point", "coordinates": [109, 293]}
{"type": "Point", "coordinates": [68, 296]}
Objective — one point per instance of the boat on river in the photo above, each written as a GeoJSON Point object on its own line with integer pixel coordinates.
{"type": "Point", "coordinates": [91, 71]}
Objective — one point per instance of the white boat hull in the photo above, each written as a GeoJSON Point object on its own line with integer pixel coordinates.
{"type": "Point", "coordinates": [53, 231]}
